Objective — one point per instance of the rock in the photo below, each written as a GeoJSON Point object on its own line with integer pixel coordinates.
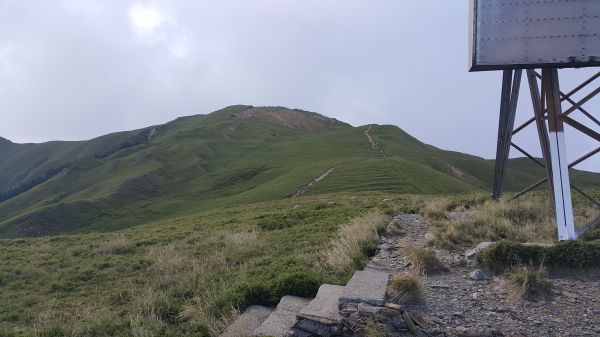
{"type": "Point", "coordinates": [306, 327]}
{"type": "Point", "coordinates": [251, 319]}
{"type": "Point", "coordinates": [324, 307]}
{"type": "Point", "coordinates": [393, 306]}
{"type": "Point", "coordinates": [280, 322]}
{"type": "Point", "coordinates": [364, 308]}
{"type": "Point", "coordinates": [367, 286]}
{"type": "Point", "coordinates": [473, 251]}
{"type": "Point", "coordinates": [321, 317]}
{"type": "Point", "coordinates": [471, 263]}
{"type": "Point", "coordinates": [477, 275]}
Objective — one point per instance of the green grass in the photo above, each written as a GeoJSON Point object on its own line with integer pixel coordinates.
{"type": "Point", "coordinates": [210, 161]}
{"type": "Point", "coordinates": [168, 235]}
{"type": "Point", "coordinates": [179, 276]}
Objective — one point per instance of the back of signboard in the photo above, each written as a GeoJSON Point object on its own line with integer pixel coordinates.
{"type": "Point", "coordinates": [512, 34]}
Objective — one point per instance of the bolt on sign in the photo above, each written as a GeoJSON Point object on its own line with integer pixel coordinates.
{"type": "Point", "coordinates": [513, 34]}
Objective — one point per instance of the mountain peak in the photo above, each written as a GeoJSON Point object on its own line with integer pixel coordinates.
{"type": "Point", "coordinates": [5, 141]}
{"type": "Point", "coordinates": [293, 118]}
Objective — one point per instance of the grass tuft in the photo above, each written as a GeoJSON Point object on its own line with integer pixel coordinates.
{"type": "Point", "coordinates": [425, 261]}
{"type": "Point", "coordinates": [406, 288]}
{"type": "Point", "coordinates": [529, 283]}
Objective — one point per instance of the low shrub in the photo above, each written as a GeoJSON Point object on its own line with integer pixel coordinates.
{"type": "Point", "coordinates": [569, 254]}
{"type": "Point", "coordinates": [507, 254]}
{"type": "Point", "coordinates": [302, 284]}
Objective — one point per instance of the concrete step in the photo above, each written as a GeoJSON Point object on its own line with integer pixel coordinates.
{"type": "Point", "coordinates": [367, 286]}
{"type": "Point", "coordinates": [280, 322]}
{"type": "Point", "coordinates": [321, 317]}
{"type": "Point", "coordinates": [247, 322]}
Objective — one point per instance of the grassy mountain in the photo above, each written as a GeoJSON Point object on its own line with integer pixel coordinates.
{"type": "Point", "coordinates": [237, 155]}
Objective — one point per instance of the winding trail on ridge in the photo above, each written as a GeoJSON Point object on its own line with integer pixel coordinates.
{"type": "Point", "coordinates": [372, 141]}
{"type": "Point", "coordinates": [305, 188]}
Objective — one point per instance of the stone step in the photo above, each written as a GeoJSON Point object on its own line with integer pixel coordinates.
{"type": "Point", "coordinates": [247, 322]}
{"type": "Point", "coordinates": [321, 317]}
{"type": "Point", "coordinates": [367, 286]}
{"type": "Point", "coordinates": [280, 322]}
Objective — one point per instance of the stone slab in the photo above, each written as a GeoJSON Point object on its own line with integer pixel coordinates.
{"type": "Point", "coordinates": [324, 307]}
{"type": "Point", "coordinates": [247, 322]}
{"type": "Point", "coordinates": [481, 246]}
{"type": "Point", "coordinates": [367, 286]}
{"type": "Point", "coordinates": [280, 322]}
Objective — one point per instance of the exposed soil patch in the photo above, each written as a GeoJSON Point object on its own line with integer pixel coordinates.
{"type": "Point", "coordinates": [297, 119]}
{"type": "Point", "coordinates": [461, 306]}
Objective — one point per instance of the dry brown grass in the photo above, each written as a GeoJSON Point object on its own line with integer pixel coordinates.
{"type": "Point", "coordinates": [363, 233]}
{"type": "Point", "coordinates": [115, 245]}
{"type": "Point", "coordinates": [436, 208]}
{"type": "Point", "coordinates": [529, 283]}
{"type": "Point", "coordinates": [80, 321]}
{"type": "Point", "coordinates": [525, 220]}
{"type": "Point", "coordinates": [425, 261]}
{"type": "Point", "coordinates": [406, 288]}
{"type": "Point", "coordinates": [369, 327]}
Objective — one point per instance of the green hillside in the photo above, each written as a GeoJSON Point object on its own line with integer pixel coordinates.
{"type": "Point", "coordinates": [234, 156]}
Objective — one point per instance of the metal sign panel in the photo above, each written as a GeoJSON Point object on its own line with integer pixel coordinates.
{"type": "Point", "coordinates": [519, 34]}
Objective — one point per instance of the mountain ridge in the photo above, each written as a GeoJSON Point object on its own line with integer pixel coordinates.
{"type": "Point", "coordinates": [235, 155]}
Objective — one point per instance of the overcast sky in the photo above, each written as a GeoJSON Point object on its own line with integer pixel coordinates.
{"type": "Point", "coordinates": [77, 69]}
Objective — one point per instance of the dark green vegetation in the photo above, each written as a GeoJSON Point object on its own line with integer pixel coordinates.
{"type": "Point", "coordinates": [571, 254]}
{"type": "Point", "coordinates": [233, 156]}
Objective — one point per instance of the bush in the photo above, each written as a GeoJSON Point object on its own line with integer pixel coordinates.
{"type": "Point", "coordinates": [507, 254]}
{"type": "Point", "coordinates": [591, 236]}
{"type": "Point", "coordinates": [300, 283]}
{"type": "Point", "coordinates": [568, 254]}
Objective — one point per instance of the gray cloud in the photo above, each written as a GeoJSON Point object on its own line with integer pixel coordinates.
{"type": "Point", "coordinates": [76, 69]}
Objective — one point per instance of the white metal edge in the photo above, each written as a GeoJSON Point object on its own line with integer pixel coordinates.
{"type": "Point", "coordinates": [562, 189]}
{"type": "Point", "coordinates": [566, 185]}
{"type": "Point", "coordinates": [471, 45]}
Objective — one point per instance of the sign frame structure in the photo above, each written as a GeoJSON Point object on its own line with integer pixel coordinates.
{"type": "Point", "coordinates": [541, 36]}
{"type": "Point", "coordinates": [549, 117]}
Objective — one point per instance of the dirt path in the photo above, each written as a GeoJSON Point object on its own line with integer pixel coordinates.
{"type": "Point", "coordinates": [312, 183]}
{"type": "Point", "coordinates": [372, 141]}
{"type": "Point", "coordinates": [460, 306]}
